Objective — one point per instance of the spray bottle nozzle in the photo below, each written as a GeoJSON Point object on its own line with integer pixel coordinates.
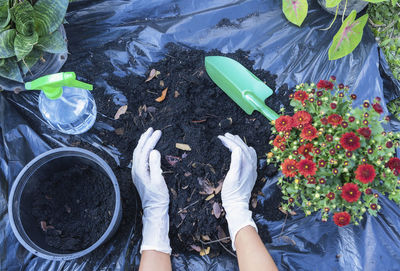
{"type": "Point", "coordinates": [52, 84]}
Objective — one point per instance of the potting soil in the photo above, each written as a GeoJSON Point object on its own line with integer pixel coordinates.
{"type": "Point", "coordinates": [73, 207]}
{"type": "Point", "coordinates": [194, 112]}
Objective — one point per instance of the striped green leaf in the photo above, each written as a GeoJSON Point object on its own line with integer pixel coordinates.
{"type": "Point", "coordinates": [49, 14]}
{"type": "Point", "coordinates": [2, 61]}
{"type": "Point", "coordinates": [295, 10]}
{"type": "Point", "coordinates": [31, 59]}
{"type": "Point", "coordinates": [7, 43]}
{"type": "Point", "coordinates": [54, 43]}
{"type": "Point", "coordinates": [10, 70]}
{"type": "Point", "coordinates": [332, 3]}
{"type": "Point", "coordinates": [5, 16]}
{"type": "Point", "coordinates": [22, 16]}
{"type": "Point", "coordinates": [348, 37]}
{"type": "Point", "coordinates": [23, 45]}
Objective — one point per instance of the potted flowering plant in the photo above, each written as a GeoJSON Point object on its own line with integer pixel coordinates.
{"type": "Point", "coordinates": [334, 158]}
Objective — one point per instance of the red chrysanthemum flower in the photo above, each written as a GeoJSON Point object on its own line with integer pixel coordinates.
{"type": "Point", "coordinates": [324, 121]}
{"type": "Point", "coordinates": [378, 108]}
{"type": "Point", "coordinates": [301, 118]}
{"type": "Point", "coordinates": [289, 167]}
{"type": "Point", "coordinates": [305, 150]}
{"type": "Point", "coordinates": [393, 163]}
{"type": "Point", "coordinates": [335, 119]}
{"type": "Point", "coordinates": [342, 219]}
{"type": "Point", "coordinates": [350, 192]}
{"type": "Point", "coordinates": [365, 132]}
{"type": "Point", "coordinates": [284, 123]}
{"type": "Point", "coordinates": [365, 173]}
{"type": "Point", "coordinates": [301, 95]}
{"type": "Point", "coordinates": [307, 167]}
{"type": "Point", "coordinates": [350, 141]}
{"type": "Point", "coordinates": [325, 84]}
{"type": "Point", "coordinates": [278, 141]}
{"type": "Point", "coordinates": [309, 132]}
{"type": "Point", "coordinates": [330, 195]}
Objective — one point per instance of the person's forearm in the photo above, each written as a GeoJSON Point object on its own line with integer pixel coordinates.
{"type": "Point", "coordinates": [152, 260]}
{"type": "Point", "coordinates": [251, 252]}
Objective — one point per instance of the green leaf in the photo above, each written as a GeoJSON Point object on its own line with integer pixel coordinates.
{"type": "Point", "coordinates": [332, 3]}
{"type": "Point", "coordinates": [2, 61]}
{"type": "Point", "coordinates": [375, 1]}
{"type": "Point", "coordinates": [23, 45]}
{"type": "Point", "coordinates": [7, 43]}
{"type": "Point", "coordinates": [54, 43]}
{"type": "Point", "coordinates": [5, 16]}
{"type": "Point", "coordinates": [10, 70]}
{"type": "Point", "coordinates": [49, 14]}
{"type": "Point", "coordinates": [295, 10]}
{"type": "Point", "coordinates": [348, 37]}
{"type": "Point", "coordinates": [30, 60]}
{"type": "Point", "coordinates": [22, 16]}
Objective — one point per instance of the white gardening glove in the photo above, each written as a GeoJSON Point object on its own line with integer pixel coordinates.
{"type": "Point", "coordinates": [238, 183]}
{"type": "Point", "coordinates": [147, 177]}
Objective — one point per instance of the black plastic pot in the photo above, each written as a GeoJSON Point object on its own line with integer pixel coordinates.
{"type": "Point", "coordinates": [31, 237]}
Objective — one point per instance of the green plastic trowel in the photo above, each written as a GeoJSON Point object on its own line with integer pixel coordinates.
{"type": "Point", "coordinates": [242, 86]}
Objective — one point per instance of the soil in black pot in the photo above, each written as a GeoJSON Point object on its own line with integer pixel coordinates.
{"type": "Point", "coordinates": [73, 207]}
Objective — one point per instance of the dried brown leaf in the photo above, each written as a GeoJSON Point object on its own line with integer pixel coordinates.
{"type": "Point", "coordinates": [163, 95]}
{"type": "Point", "coordinates": [206, 186]}
{"type": "Point", "coordinates": [204, 252]}
{"type": "Point", "coordinates": [183, 147]}
{"type": "Point", "coordinates": [188, 174]}
{"type": "Point", "coordinates": [195, 248]}
{"type": "Point", "coordinates": [205, 238]}
{"type": "Point", "coordinates": [161, 83]}
{"type": "Point", "coordinates": [283, 211]}
{"type": "Point", "coordinates": [222, 235]}
{"type": "Point", "coordinates": [173, 192]}
{"type": "Point", "coordinates": [217, 209]}
{"type": "Point", "coordinates": [172, 160]}
{"type": "Point", "coordinates": [210, 197]}
{"type": "Point", "coordinates": [119, 131]}
{"type": "Point", "coordinates": [153, 73]}
{"type": "Point", "coordinates": [185, 187]}
{"type": "Point", "coordinates": [218, 188]}
{"type": "Point", "coordinates": [120, 111]}
{"type": "Point", "coordinates": [176, 94]}
{"type": "Point", "coordinates": [254, 202]}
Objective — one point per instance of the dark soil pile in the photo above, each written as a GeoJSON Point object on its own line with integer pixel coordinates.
{"type": "Point", "coordinates": [73, 207]}
{"type": "Point", "coordinates": [194, 112]}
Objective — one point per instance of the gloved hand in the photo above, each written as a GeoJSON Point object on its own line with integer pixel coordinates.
{"type": "Point", "coordinates": [148, 179]}
{"type": "Point", "coordinates": [238, 183]}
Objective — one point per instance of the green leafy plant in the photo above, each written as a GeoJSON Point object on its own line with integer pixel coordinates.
{"type": "Point", "coordinates": [335, 158]}
{"type": "Point", "coordinates": [350, 33]}
{"type": "Point", "coordinates": [384, 20]}
{"type": "Point", "coordinates": [27, 30]}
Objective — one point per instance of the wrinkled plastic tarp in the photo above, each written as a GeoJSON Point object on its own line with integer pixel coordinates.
{"type": "Point", "coordinates": [294, 54]}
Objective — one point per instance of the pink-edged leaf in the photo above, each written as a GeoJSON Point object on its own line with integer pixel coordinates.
{"type": "Point", "coordinates": [348, 37]}
{"type": "Point", "coordinates": [295, 10]}
{"type": "Point", "coordinates": [172, 160]}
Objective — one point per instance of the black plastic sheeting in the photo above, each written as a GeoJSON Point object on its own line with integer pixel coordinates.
{"type": "Point", "coordinates": [294, 54]}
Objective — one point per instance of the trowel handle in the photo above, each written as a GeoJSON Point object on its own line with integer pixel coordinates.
{"type": "Point", "coordinates": [262, 108]}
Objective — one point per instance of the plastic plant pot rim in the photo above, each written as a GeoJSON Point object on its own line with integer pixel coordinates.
{"type": "Point", "coordinates": [114, 224]}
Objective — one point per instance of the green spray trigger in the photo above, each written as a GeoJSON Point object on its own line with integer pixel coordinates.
{"type": "Point", "coordinates": [52, 84]}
